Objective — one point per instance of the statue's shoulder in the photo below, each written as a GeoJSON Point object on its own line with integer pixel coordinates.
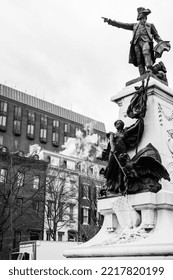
{"type": "Point", "coordinates": [149, 24]}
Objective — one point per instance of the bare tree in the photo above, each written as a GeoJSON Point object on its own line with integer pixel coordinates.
{"type": "Point", "coordinates": [61, 200]}
{"type": "Point", "coordinates": [22, 182]}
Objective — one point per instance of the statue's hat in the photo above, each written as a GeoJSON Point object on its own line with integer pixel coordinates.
{"type": "Point", "coordinates": [142, 12]}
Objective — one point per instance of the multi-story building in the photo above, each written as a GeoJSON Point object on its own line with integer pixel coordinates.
{"type": "Point", "coordinates": [61, 199]}
{"type": "Point", "coordinates": [22, 200]}
{"type": "Point", "coordinates": [78, 182]}
{"type": "Point", "coordinates": [26, 120]}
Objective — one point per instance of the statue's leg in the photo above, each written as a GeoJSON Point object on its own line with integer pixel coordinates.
{"type": "Point", "coordinates": [140, 60]}
{"type": "Point", "coordinates": [141, 69]}
{"type": "Point", "coordinates": [147, 56]}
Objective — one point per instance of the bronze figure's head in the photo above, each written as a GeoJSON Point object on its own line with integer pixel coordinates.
{"type": "Point", "coordinates": [142, 12]}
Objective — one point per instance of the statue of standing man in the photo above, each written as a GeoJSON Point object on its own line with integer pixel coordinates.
{"type": "Point", "coordinates": [141, 51]}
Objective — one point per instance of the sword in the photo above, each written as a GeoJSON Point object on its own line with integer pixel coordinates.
{"type": "Point", "coordinates": [119, 165]}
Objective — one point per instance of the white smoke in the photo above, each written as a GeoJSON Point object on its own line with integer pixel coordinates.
{"type": "Point", "coordinates": [84, 147]}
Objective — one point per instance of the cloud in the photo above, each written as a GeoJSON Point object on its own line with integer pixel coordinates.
{"type": "Point", "coordinates": [64, 52]}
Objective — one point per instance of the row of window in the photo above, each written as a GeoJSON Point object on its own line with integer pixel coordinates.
{"type": "Point", "coordinates": [20, 178]}
{"type": "Point", "coordinates": [17, 237]}
{"type": "Point", "coordinates": [3, 115]}
{"type": "Point", "coordinates": [92, 170]}
{"type": "Point", "coordinates": [72, 235]}
{"type": "Point", "coordinates": [61, 212]}
{"type": "Point", "coordinates": [87, 192]}
{"type": "Point", "coordinates": [85, 216]}
{"type": "Point", "coordinates": [31, 125]}
{"type": "Point", "coordinates": [36, 205]}
{"type": "Point", "coordinates": [35, 235]}
{"type": "Point", "coordinates": [86, 213]}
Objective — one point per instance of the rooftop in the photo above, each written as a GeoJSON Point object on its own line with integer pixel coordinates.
{"type": "Point", "coordinates": [49, 107]}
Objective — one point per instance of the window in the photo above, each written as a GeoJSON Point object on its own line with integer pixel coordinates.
{"type": "Point", "coordinates": [18, 113]}
{"type": "Point", "coordinates": [19, 203]}
{"type": "Point", "coordinates": [71, 211]}
{"type": "Point", "coordinates": [72, 235]}
{"type": "Point", "coordinates": [85, 215]}
{"type": "Point", "coordinates": [17, 238]}
{"type": "Point", "coordinates": [60, 235]}
{"type": "Point", "coordinates": [30, 130]}
{"type": "Point", "coordinates": [43, 133]}
{"type": "Point", "coordinates": [3, 107]}
{"type": "Point", "coordinates": [49, 209]}
{"type": "Point", "coordinates": [17, 127]}
{"type": "Point", "coordinates": [55, 139]}
{"type": "Point", "coordinates": [35, 234]}
{"type": "Point", "coordinates": [36, 182]}
{"type": "Point", "coordinates": [17, 120]}
{"type": "Point", "coordinates": [55, 133]}
{"type": "Point", "coordinates": [66, 127]}
{"type": "Point", "coordinates": [86, 191]}
{"type": "Point", "coordinates": [1, 140]}
{"type": "Point", "coordinates": [36, 205]}
{"type": "Point", "coordinates": [30, 125]}
{"type": "Point", "coordinates": [3, 175]}
{"type": "Point", "coordinates": [70, 165]}
{"type": "Point", "coordinates": [55, 161]}
{"type": "Point", "coordinates": [31, 116]}
{"type": "Point", "coordinates": [61, 204]}
{"type": "Point", "coordinates": [20, 179]}
{"type": "Point", "coordinates": [3, 115]}
{"type": "Point", "coordinates": [55, 124]}
{"type": "Point", "coordinates": [43, 128]}
{"type": "Point", "coordinates": [43, 120]}
{"type": "Point", "coordinates": [3, 120]}
{"type": "Point", "coordinates": [82, 167]}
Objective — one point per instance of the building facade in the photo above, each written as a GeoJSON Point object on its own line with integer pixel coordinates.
{"type": "Point", "coordinates": [26, 120]}
{"type": "Point", "coordinates": [80, 182]}
{"type": "Point", "coordinates": [22, 200]}
{"type": "Point", "coordinates": [61, 199]}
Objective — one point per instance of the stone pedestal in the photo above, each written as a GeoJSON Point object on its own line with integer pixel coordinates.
{"type": "Point", "coordinates": [140, 224]}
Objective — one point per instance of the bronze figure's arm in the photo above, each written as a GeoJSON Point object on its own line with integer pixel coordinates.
{"type": "Point", "coordinates": [105, 19]}
{"type": "Point", "coordinates": [128, 26]}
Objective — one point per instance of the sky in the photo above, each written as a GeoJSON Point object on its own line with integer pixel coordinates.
{"type": "Point", "coordinates": [62, 51]}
